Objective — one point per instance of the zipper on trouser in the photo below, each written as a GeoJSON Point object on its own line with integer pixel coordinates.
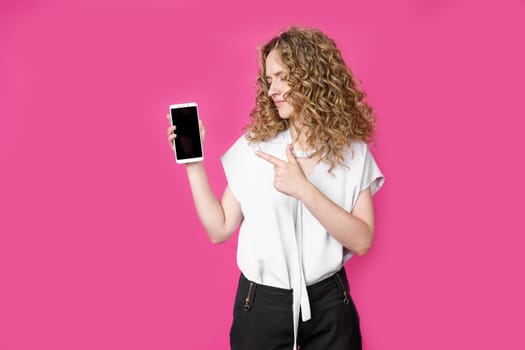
{"type": "Point", "coordinates": [247, 301]}
{"type": "Point", "coordinates": [346, 300]}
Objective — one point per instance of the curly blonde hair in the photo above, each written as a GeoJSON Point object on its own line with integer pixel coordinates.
{"type": "Point", "coordinates": [323, 92]}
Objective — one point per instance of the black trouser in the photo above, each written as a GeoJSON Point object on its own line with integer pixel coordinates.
{"type": "Point", "coordinates": [263, 317]}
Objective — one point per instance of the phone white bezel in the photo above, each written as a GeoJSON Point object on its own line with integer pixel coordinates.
{"type": "Point", "coordinates": [188, 160]}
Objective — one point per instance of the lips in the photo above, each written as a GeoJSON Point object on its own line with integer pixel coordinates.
{"type": "Point", "coordinates": [278, 102]}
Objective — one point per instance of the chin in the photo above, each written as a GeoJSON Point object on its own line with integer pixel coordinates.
{"type": "Point", "coordinates": [285, 113]}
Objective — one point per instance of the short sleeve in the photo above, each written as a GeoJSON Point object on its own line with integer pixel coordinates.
{"type": "Point", "coordinates": [232, 162]}
{"type": "Point", "coordinates": [371, 175]}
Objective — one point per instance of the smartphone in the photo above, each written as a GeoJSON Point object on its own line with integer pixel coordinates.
{"type": "Point", "coordinates": [188, 143]}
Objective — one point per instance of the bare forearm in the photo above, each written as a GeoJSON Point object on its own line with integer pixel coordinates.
{"type": "Point", "coordinates": [347, 229]}
{"type": "Point", "coordinates": [209, 209]}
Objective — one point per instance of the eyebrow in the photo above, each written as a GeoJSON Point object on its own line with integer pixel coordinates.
{"type": "Point", "coordinates": [276, 74]}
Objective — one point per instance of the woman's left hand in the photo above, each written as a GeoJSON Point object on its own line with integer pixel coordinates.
{"type": "Point", "coordinates": [289, 177]}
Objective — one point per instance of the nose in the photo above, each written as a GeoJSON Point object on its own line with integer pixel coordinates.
{"type": "Point", "coordinates": [273, 89]}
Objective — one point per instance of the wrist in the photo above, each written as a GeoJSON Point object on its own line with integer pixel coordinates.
{"type": "Point", "coordinates": [192, 167]}
{"type": "Point", "coordinates": [306, 192]}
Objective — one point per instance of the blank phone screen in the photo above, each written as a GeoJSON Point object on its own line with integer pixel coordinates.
{"type": "Point", "coordinates": [187, 143]}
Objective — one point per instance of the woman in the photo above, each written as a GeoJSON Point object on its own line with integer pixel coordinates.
{"type": "Point", "coordinates": [300, 183]}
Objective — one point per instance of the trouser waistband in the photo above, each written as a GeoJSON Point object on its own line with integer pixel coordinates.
{"type": "Point", "coordinates": [284, 297]}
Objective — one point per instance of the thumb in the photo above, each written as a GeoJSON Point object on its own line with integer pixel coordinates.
{"type": "Point", "coordinates": [289, 154]}
{"type": "Point", "coordinates": [202, 130]}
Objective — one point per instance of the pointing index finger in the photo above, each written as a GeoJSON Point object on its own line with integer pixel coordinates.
{"type": "Point", "coordinates": [269, 158]}
{"type": "Point", "coordinates": [289, 154]}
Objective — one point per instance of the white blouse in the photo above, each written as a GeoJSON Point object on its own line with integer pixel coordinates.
{"type": "Point", "coordinates": [281, 244]}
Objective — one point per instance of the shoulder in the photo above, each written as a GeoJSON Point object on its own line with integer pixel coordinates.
{"type": "Point", "coordinates": [355, 152]}
{"type": "Point", "coordinates": [241, 140]}
{"type": "Point", "coordinates": [244, 141]}
{"type": "Point", "coordinates": [241, 149]}
{"type": "Point", "coordinates": [237, 147]}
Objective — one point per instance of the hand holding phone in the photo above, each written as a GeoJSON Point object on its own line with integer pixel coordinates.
{"type": "Point", "coordinates": [188, 142]}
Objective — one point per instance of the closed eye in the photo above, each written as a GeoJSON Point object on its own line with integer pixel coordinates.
{"type": "Point", "coordinates": [282, 76]}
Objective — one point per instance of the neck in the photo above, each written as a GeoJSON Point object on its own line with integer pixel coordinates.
{"type": "Point", "coordinates": [299, 135]}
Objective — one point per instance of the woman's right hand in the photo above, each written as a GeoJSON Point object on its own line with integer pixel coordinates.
{"type": "Point", "coordinates": [172, 135]}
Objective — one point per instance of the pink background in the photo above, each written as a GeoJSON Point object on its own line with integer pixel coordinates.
{"type": "Point", "coordinates": [100, 246]}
